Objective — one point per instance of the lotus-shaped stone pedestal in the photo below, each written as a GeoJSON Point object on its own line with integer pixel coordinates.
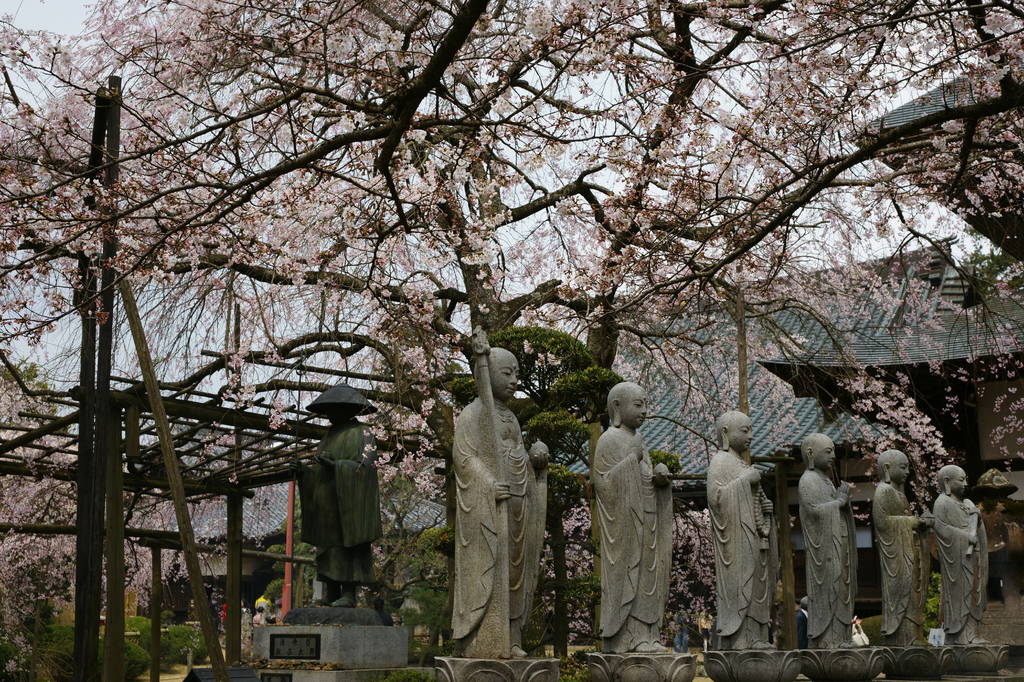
{"type": "Point", "coordinates": [641, 667]}
{"type": "Point", "coordinates": [978, 658]}
{"type": "Point", "coordinates": [752, 665]}
{"type": "Point", "coordinates": [917, 662]}
{"type": "Point", "coordinates": [844, 665]}
{"type": "Point", "coordinates": [453, 669]}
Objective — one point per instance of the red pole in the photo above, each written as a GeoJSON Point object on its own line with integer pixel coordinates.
{"type": "Point", "coordinates": [289, 547]}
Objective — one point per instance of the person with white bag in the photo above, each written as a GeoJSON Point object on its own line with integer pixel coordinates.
{"type": "Point", "coordinates": [859, 638]}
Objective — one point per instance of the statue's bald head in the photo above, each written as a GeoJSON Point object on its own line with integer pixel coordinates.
{"type": "Point", "coordinates": [627, 399]}
{"type": "Point", "coordinates": [501, 357]}
{"type": "Point", "coordinates": [732, 429]}
{"type": "Point", "coordinates": [893, 466]}
{"type": "Point", "coordinates": [504, 371]}
{"type": "Point", "coordinates": [952, 480]}
{"type": "Point", "coordinates": [814, 444]}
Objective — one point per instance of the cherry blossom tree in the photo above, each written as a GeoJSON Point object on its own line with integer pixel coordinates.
{"type": "Point", "coordinates": [364, 182]}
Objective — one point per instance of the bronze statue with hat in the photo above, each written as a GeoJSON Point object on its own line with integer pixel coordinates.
{"type": "Point", "coordinates": [340, 497]}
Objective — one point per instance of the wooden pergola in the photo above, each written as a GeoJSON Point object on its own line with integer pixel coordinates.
{"type": "Point", "coordinates": [221, 452]}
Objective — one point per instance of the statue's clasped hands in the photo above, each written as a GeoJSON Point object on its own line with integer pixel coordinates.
{"type": "Point", "coordinates": [660, 477]}
{"type": "Point", "coordinates": [502, 491]}
{"type": "Point", "coordinates": [539, 455]}
{"type": "Point", "coordinates": [479, 342]}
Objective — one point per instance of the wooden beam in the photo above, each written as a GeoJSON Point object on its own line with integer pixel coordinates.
{"type": "Point", "coordinates": [35, 434]}
{"type": "Point", "coordinates": [149, 537]}
{"type": "Point", "coordinates": [175, 544]}
{"type": "Point", "coordinates": [188, 541]}
{"type": "Point", "coordinates": [131, 481]}
{"type": "Point", "coordinates": [223, 415]}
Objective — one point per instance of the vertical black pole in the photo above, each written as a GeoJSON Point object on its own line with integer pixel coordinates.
{"type": "Point", "coordinates": [91, 470]}
{"type": "Point", "coordinates": [233, 578]}
{"type": "Point", "coordinates": [108, 422]}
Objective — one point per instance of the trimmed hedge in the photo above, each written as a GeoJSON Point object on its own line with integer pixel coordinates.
{"type": "Point", "coordinates": [56, 655]}
{"type": "Point", "coordinates": [174, 642]}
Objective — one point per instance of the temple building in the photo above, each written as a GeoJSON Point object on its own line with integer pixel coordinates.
{"type": "Point", "coordinates": [964, 371]}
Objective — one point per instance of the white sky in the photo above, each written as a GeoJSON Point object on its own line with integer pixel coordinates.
{"type": "Point", "coordinates": [59, 16]}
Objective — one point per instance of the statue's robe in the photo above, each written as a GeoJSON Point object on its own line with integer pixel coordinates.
{"type": "Point", "coordinates": [746, 561]}
{"type": "Point", "coordinates": [905, 566]}
{"type": "Point", "coordinates": [636, 542]}
{"type": "Point", "coordinates": [477, 539]}
{"type": "Point", "coordinates": [964, 578]}
{"type": "Point", "coordinates": [831, 560]}
{"type": "Point", "coordinates": [341, 504]}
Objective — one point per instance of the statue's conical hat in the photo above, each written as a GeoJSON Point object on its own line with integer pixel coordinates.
{"type": "Point", "coordinates": [993, 484]}
{"type": "Point", "coordinates": [342, 401]}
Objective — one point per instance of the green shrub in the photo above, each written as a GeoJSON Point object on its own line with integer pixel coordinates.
{"type": "Point", "coordinates": [174, 642]}
{"type": "Point", "coordinates": [56, 653]}
{"type": "Point", "coordinates": [873, 629]}
{"type": "Point", "coordinates": [136, 660]}
{"type": "Point", "coordinates": [670, 461]}
{"type": "Point", "coordinates": [408, 676]}
{"type": "Point", "coordinates": [141, 625]}
{"type": "Point", "coordinates": [179, 639]}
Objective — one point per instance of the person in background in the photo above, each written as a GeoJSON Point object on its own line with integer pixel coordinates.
{"type": "Point", "coordinates": [704, 623]}
{"type": "Point", "coordinates": [801, 624]}
{"type": "Point", "coordinates": [682, 637]}
{"type": "Point", "coordinates": [259, 618]}
{"type": "Point", "coordinates": [385, 617]}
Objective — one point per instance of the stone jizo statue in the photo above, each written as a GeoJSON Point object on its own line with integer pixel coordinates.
{"type": "Point", "coordinates": [831, 549]}
{"type": "Point", "coordinates": [501, 493]}
{"type": "Point", "coordinates": [746, 554]}
{"type": "Point", "coordinates": [963, 556]}
{"type": "Point", "coordinates": [901, 538]}
{"type": "Point", "coordinates": [340, 497]}
{"type": "Point", "coordinates": [634, 504]}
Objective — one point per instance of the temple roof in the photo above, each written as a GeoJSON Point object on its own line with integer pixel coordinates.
{"type": "Point", "coordinates": [874, 335]}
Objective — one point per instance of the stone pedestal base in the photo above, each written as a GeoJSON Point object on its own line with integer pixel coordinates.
{"type": "Point", "coordinates": [453, 669]}
{"type": "Point", "coordinates": [917, 662]}
{"type": "Point", "coordinates": [343, 646]}
{"type": "Point", "coordinates": [331, 615]}
{"type": "Point", "coordinates": [297, 675]}
{"type": "Point", "coordinates": [752, 665]}
{"type": "Point", "coordinates": [639, 667]}
{"type": "Point", "coordinates": [844, 665]}
{"type": "Point", "coordinates": [971, 659]}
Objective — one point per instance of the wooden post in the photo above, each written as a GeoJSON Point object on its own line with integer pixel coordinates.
{"type": "Point", "coordinates": [233, 591]}
{"type": "Point", "coordinates": [289, 549]}
{"type": "Point", "coordinates": [108, 420]}
{"type": "Point", "coordinates": [188, 539]}
{"type": "Point", "coordinates": [233, 577]}
{"type": "Point", "coordinates": [113, 643]}
{"type": "Point", "coordinates": [787, 637]}
{"type": "Point", "coordinates": [155, 610]}
{"type": "Point", "coordinates": [91, 472]}
{"type": "Point", "coordinates": [299, 598]}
